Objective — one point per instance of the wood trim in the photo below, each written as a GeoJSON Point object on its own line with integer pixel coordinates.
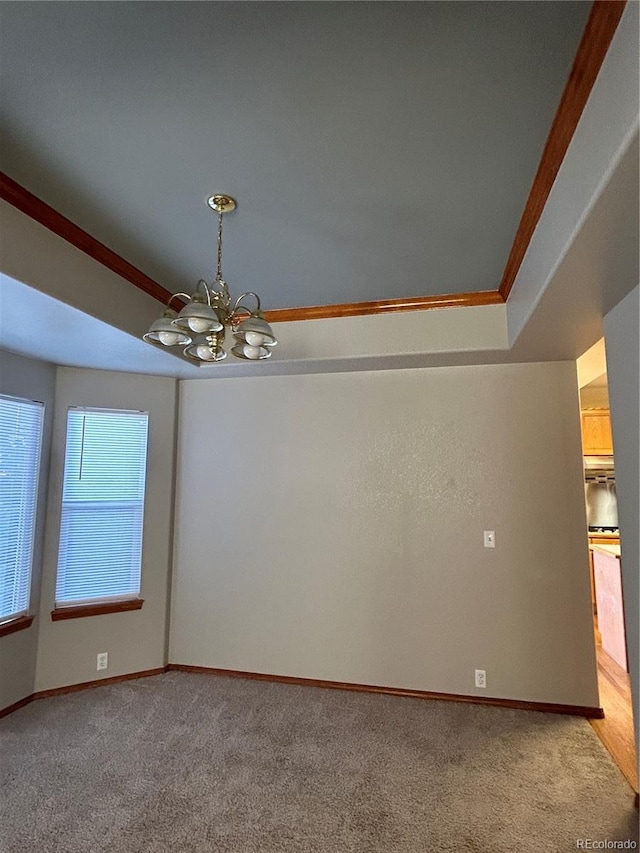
{"type": "Point", "coordinates": [16, 706]}
{"type": "Point", "coordinates": [575, 710]}
{"type": "Point", "coordinates": [43, 213]}
{"type": "Point", "coordinates": [599, 30]}
{"type": "Point", "coordinates": [84, 685]}
{"type": "Point", "coordinates": [545, 707]}
{"type": "Point", "coordinates": [83, 610]}
{"type": "Point", "coordinates": [33, 207]}
{"type": "Point", "coordinates": [604, 539]}
{"type": "Point", "coordinates": [384, 306]}
{"type": "Point", "coordinates": [14, 625]}
{"type": "Point", "coordinates": [99, 682]}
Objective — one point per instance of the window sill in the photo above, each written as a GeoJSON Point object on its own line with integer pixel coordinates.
{"type": "Point", "coordinates": [82, 610]}
{"type": "Point", "coordinates": [17, 624]}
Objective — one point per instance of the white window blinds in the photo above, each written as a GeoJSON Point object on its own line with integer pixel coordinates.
{"type": "Point", "coordinates": [100, 551]}
{"type": "Point", "coordinates": [20, 442]}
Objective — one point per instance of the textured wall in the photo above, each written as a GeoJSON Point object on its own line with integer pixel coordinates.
{"type": "Point", "coordinates": [33, 380]}
{"type": "Point", "coordinates": [623, 346]}
{"type": "Point", "coordinates": [331, 527]}
{"type": "Point", "coordinates": [135, 640]}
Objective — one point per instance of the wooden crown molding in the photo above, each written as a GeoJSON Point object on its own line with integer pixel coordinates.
{"type": "Point", "coordinates": [38, 210]}
{"type": "Point", "coordinates": [601, 25]}
{"type": "Point", "coordinates": [43, 213]}
{"type": "Point", "coordinates": [384, 306]}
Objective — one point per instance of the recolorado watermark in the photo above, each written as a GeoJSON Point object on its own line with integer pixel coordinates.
{"type": "Point", "coordinates": [606, 844]}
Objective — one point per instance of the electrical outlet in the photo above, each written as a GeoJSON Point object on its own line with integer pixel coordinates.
{"type": "Point", "coordinates": [489, 539]}
{"type": "Point", "coordinates": [481, 678]}
{"type": "Point", "coordinates": [102, 660]}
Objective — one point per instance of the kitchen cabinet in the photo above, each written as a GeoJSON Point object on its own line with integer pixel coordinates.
{"type": "Point", "coordinates": [596, 433]}
{"type": "Point", "coordinates": [604, 538]}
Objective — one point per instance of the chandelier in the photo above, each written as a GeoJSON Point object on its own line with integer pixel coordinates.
{"type": "Point", "coordinates": [199, 328]}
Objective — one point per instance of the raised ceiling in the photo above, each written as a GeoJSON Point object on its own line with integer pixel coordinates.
{"type": "Point", "coordinates": [377, 150]}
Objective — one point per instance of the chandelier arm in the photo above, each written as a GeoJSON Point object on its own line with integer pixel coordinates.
{"type": "Point", "coordinates": [235, 315]}
{"type": "Point", "coordinates": [203, 285]}
{"type": "Point", "coordinates": [175, 296]}
{"type": "Point", "coordinates": [242, 296]}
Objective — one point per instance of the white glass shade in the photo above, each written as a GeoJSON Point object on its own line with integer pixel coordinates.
{"type": "Point", "coordinates": [198, 317]}
{"type": "Point", "coordinates": [255, 332]}
{"type": "Point", "coordinates": [164, 332]}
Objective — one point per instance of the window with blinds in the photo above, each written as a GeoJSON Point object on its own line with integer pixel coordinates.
{"type": "Point", "coordinates": [100, 552]}
{"type": "Point", "coordinates": [20, 442]}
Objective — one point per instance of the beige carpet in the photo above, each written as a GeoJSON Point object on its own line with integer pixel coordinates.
{"type": "Point", "coordinates": [194, 763]}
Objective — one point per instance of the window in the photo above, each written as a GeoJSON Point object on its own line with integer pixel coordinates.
{"type": "Point", "coordinates": [20, 442]}
{"type": "Point", "coordinates": [100, 553]}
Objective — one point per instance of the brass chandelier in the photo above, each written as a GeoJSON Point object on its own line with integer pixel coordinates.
{"type": "Point", "coordinates": [199, 328]}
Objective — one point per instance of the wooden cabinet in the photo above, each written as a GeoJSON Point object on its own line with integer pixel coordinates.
{"type": "Point", "coordinates": [596, 433]}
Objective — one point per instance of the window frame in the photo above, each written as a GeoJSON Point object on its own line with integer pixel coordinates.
{"type": "Point", "coordinates": [22, 618]}
{"type": "Point", "coordinates": [96, 605]}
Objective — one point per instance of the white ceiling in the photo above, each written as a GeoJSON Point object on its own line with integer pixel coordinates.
{"type": "Point", "coordinates": [377, 150]}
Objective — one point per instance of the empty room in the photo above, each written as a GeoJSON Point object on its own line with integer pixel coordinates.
{"type": "Point", "coordinates": [350, 598]}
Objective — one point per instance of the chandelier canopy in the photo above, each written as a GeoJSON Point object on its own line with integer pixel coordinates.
{"type": "Point", "coordinates": [199, 328]}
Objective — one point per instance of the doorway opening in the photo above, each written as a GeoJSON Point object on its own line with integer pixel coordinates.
{"type": "Point", "coordinates": [616, 729]}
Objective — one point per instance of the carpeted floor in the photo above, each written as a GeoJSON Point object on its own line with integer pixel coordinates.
{"type": "Point", "coordinates": [195, 763]}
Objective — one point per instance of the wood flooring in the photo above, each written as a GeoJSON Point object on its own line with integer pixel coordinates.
{"type": "Point", "coordinates": [616, 729]}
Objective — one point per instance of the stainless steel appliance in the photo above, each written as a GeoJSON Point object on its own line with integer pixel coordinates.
{"type": "Point", "coordinates": [600, 492]}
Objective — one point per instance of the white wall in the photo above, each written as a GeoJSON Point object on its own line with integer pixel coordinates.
{"type": "Point", "coordinates": [35, 256]}
{"type": "Point", "coordinates": [331, 527]}
{"type": "Point", "coordinates": [623, 372]}
{"type": "Point", "coordinates": [592, 364]}
{"type": "Point", "coordinates": [32, 380]}
{"type": "Point", "coordinates": [135, 640]}
{"type": "Point", "coordinates": [606, 128]}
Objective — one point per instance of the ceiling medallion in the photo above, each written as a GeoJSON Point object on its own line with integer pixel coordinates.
{"type": "Point", "coordinates": [200, 326]}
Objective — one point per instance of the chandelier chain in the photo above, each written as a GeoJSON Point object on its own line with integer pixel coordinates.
{"type": "Point", "coordinates": [219, 266]}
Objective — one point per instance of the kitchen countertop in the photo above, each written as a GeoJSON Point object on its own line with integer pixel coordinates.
{"type": "Point", "coordinates": [612, 550]}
